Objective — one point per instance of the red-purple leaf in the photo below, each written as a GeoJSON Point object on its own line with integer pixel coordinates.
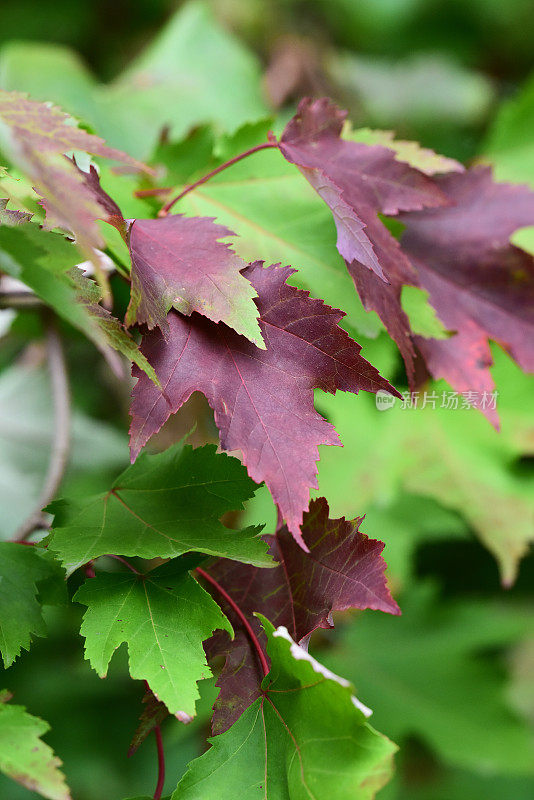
{"type": "Point", "coordinates": [343, 570]}
{"type": "Point", "coordinates": [356, 181]}
{"type": "Point", "coordinates": [9, 217]}
{"type": "Point", "coordinates": [480, 285]}
{"type": "Point", "coordinates": [110, 211]}
{"type": "Point", "coordinates": [262, 399]}
{"type": "Point", "coordinates": [153, 713]}
{"type": "Point", "coordinates": [37, 138]}
{"type": "Point", "coordinates": [44, 128]}
{"type": "Point", "coordinates": [178, 262]}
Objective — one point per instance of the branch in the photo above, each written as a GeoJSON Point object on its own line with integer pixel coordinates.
{"type": "Point", "coordinates": [265, 146]}
{"type": "Point", "coordinates": [61, 442]}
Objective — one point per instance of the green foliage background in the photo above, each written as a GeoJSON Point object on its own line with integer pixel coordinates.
{"type": "Point", "coordinates": [452, 680]}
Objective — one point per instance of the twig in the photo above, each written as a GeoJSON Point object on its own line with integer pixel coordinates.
{"type": "Point", "coordinates": [161, 754]}
{"type": "Point", "coordinates": [265, 146]}
{"type": "Point", "coordinates": [246, 624]}
{"type": "Point", "coordinates": [61, 442]}
{"type": "Point", "coordinates": [155, 192]}
{"type": "Point", "coordinates": [126, 563]}
{"type": "Point", "coordinates": [20, 299]}
{"type": "Point", "coordinates": [161, 763]}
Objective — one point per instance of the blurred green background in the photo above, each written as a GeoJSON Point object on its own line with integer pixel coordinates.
{"type": "Point", "coordinates": [452, 680]}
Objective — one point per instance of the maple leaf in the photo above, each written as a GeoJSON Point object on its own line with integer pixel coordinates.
{"type": "Point", "coordinates": [46, 262]}
{"type": "Point", "coordinates": [23, 571]}
{"type": "Point", "coordinates": [344, 569]}
{"type": "Point", "coordinates": [246, 198]}
{"type": "Point", "coordinates": [417, 672]}
{"type": "Point", "coordinates": [262, 399]}
{"type": "Point", "coordinates": [178, 262]}
{"type": "Point", "coordinates": [479, 284]}
{"type": "Point", "coordinates": [153, 713]}
{"type": "Point", "coordinates": [9, 217]}
{"type": "Point", "coordinates": [421, 158]}
{"type": "Point", "coordinates": [356, 181]}
{"type": "Point", "coordinates": [447, 452]}
{"type": "Point", "coordinates": [163, 616]}
{"type": "Point", "coordinates": [109, 210]}
{"type": "Point", "coordinates": [282, 743]}
{"type": "Point", "coordinates": [24, 757]}
{"type": "Point", "coordinates": [36, 136]}
{"type": "Point", "coordinates": [162, 506]}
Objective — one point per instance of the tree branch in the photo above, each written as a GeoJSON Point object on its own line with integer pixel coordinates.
{"type": "Point", "coordinates": [61, 442]}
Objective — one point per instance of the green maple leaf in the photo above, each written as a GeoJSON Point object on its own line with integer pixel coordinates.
{"type": "Point", "coordinates": [425, 676]}
{"type": "Point", "coordinates": [305, 738]}
{"type": "Point", "coordinates": [44, 261]}
{"type": "Point", "coordinates": [444, 453]}
{"type": "Point", "coordinates": [25, 573]}
{"type": "Point", "coordinates": [164, 505]}
{"type": "Point", "coordinates": [511, 153]}
{"type": "Point", "coordinates": [163, 616]}
{"type": "Point", "coordinates": [207, 71]}
{"type": "Point", "coordinates": [24, 757]}
{"type": "Point", "coordinates": [411, 153]}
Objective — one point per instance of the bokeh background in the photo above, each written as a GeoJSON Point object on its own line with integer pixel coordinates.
{"type": "Point", "coordinates": [452, 680]}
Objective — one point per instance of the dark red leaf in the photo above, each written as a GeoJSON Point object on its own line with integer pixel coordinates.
{"type": "Point", "coordinates": [343, 570]}
{"type": "Point", "coordinates": [262, 399]}
{"type": "Point", "coordinates": [153, 713]}
{"type": "Point", "coordinates": [480, 285]}
{"type": "Point", "coordinates": [9, 217]}
{"type": "Point", "coordinates": [356, 181]}
{"type": "Point", "coordinates": [111, 213]}
{"type": "Point", "coordinates": [178, 262]}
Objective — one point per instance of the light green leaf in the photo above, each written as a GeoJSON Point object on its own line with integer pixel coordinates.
{"type": "Point", "coordinates": [423, 675]}
{"type": "Point", "coordinates": [524, 238]}
{"type": "Point", "coordinates": [305, 738]}
{"type": "Point", "coordinates": [162, 506]}
{"type": "Point", "coordinates": [406, 523]}
{"type": "Point", "coordinates": [26, 431]}
{"type": "Point", "coordinates": [24, 757]}
{"type": "Point", "coordinates": [420, 90]}
{"type": "Point", "coordinates": [163, 616]}
{"type": "Point", "coordinates": [520, 691]}
{"type": "Point", "coordinates": [50, 73]}
{"type": "Point", "coordinates": [193, 72]}
{"type": "Point", "coordinates": [461, 784]}
{"type": "Point", "coordinates": [422, 316]}
{"type": "Point", "coordinates": [411, 153]}
{"type": "Point", "coordinates": [509, 146]}
{"type": "Point", "coordinates": [450, 454]}
{"type": "Point", "coordinates": [44, 261]}
{"type": "Point", "coordinates": [23, 570]}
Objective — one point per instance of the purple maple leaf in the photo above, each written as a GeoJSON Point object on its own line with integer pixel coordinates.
{"type": "Point", "coordinates": [343, 570]}
{"type": "Point", "coordinates": [262, 399]}
{"type": "Point", "coordinates": [178, 262]}
{"type": "Point", "coordinates": [479, 283]}
{"type": "Point", "coordinates": [356, 181]}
